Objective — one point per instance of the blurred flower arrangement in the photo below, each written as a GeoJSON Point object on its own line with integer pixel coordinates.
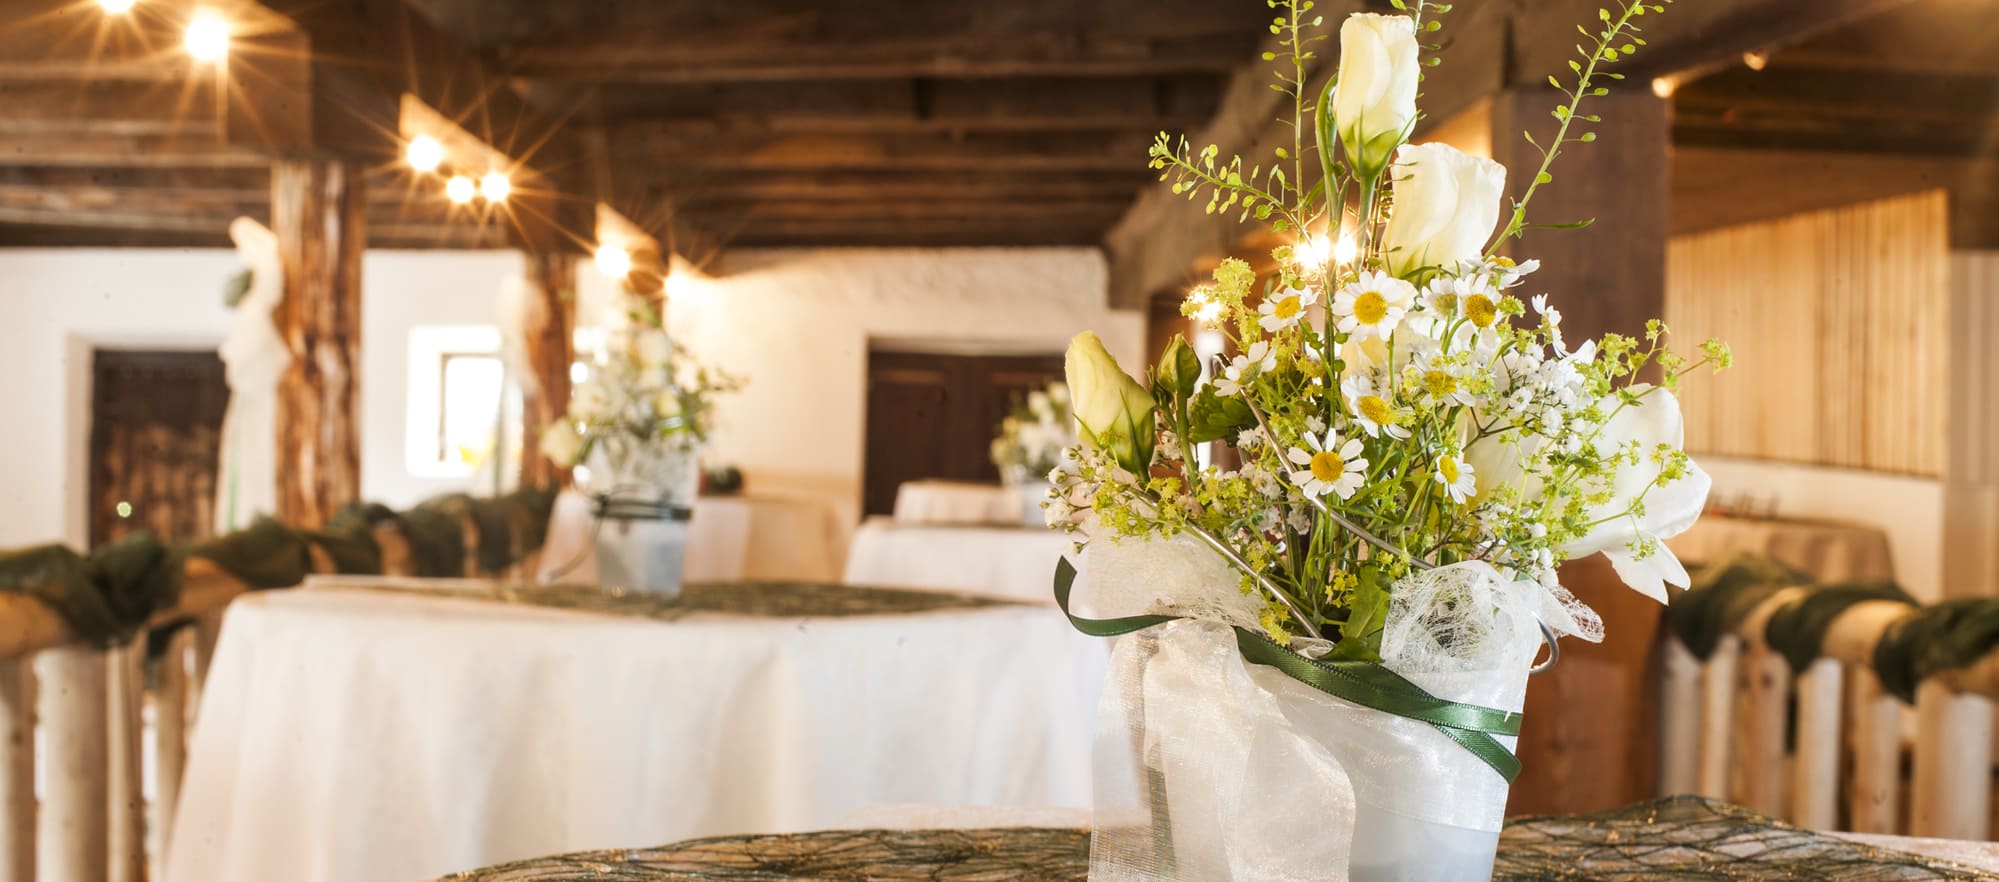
{"type": "Point", "coordinates": [1396, 403]}
{"type": "Point", "coordinates": [638, 419]}
{"type": "Point", "coordinates": [1034, 435]}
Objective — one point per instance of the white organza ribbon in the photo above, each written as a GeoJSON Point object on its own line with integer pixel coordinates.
{"type": "Point", "coordinates": [1216, 769]}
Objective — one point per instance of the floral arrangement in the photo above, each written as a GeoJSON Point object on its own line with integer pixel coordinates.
{"type": "Point", "coordinates": [1033, 436]}
{"type": "Point", "coordinates": [1396, 403]}
{"type": "Point", "coordinates": [640, 415]}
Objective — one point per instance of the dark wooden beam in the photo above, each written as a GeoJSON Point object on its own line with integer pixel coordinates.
{"type": "Point", "coordinates": [134, 151]}
{"type": "Point", "coordinates": [1054, 152]}
{"type": "Point", "coordinates": [1691, 35]}
{"type": "Point", "coordinates": [1716, 187]}
{"type": "Point", "coordinates": [550, 349]}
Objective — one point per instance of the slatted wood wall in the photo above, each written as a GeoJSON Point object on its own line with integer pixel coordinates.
{"type": "Point", "coordinates": [1971, 493]}
{"type": "Point", "coordinates": [1840, 324]}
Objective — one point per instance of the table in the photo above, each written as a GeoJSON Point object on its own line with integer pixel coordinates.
{"type": "Point", "coordinates": [1015, 562]}
{"type": "Point", "coordinates": [1679, 840]}
{"type": "Point", "coordinates": [1827, 551]}
{"type": "Point", "coordinates": [388, 735]}
{"type": "Point", "coordinates": [730, 538]}
{"type": "Point", "coordinates": [953, 502]}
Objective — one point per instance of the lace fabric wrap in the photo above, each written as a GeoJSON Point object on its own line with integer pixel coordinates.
{"type": "Point", "coordinates": [1214, 768]}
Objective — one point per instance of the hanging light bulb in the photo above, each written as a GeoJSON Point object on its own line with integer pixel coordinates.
{"type": "Point", "coordinates": [460, 189]}
{"type": "Point", "coordinates": [1755, 60]}
{"type": "Point", "coordinates": [1312, 253]}
{"type": "Point", "coordinates": [1664, 87]}
{"type": "Point", "coordinates": [424, 153]}
{"type": "Point", "coordinates": [207, 38]}
{"type": "Point", "coordinates": [1346, 250]}
{"type": "Point", "coordinates": [495, 186]}
{"type": "Point", "coordinates": [614, 261]}
{"type": "Point", "coordinates": [116, 7]}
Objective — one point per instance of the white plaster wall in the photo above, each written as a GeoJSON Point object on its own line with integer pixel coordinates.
{"type": "Point", "coordinates": [56, 305]}
{"type": "Point", "coordinates": [1909, 509]}
{"type": "Point", "coordinates": [798, 323]}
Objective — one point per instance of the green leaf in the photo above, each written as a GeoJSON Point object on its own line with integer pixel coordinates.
{"type": "Point", "coordinates": [1212, 417]}
{"type": "Point", "coordinates": [1360, 637]}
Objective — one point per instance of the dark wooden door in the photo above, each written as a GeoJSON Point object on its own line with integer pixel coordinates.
{"type": "Point", "coordinates": [932, 416]}
{"type": "Point", "coordinates": [155, 442]}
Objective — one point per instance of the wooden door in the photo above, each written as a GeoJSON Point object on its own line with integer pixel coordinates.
{"type": "Point", "coordinates": [932, 416]}
{"type": "Point", "coordinates": [155, 442]}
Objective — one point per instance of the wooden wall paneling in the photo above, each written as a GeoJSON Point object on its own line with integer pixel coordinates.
{"type": "Point", "coordinates": [1971, 488]}
{"type": "Point", "coordinates": [317, 213]}
{"type": "Point", "coordinates": [1839, 322]}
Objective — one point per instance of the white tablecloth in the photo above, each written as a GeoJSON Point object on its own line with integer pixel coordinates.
{"type": "Point", "coordinates": [951, 502]}
{"type": "Point", "coordinates": [366, 737]}
{"type": "Point", "coordinates": [731, 538]}
{"type": "Point", "coordinates": [1015, 562]}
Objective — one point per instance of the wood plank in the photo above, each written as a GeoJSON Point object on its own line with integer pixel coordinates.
{"type": "Point", "coordinates": [17, 770]}
{"type": "Point", "coordinates": [74, 836]}
{"type": "Point", "coordinates": [1690, 35]}
{"type": "Point", "coordinates": [1003, 151]}
{"type": "Point", "coordinates": [1815, 768]}
{"type": "Point", "coordinates": [170, 731]}
{"type": "Point", "coordinates": [550, 350]}
{"type": "Point", "coordinates": [315, 207]}
{"type": "Point", "coordinates": [125, 693]}
{"type": "Point", "coordinates": [1951, 794]}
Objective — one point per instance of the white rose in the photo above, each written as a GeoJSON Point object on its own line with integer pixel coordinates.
{"type": "Point", "coordinates": [1446, 206]}
{"type": "Point", "coordinates": [1114, 412]}
{"type": "Point", "coordinates": [1374, 105]}
{"type": "Point", "coordinates": [666, 403]}
{"type": "Point", "coordinates": [1669, 509]}
{"type": "Point", "coordinates": [560, 443]}
{"type": "Point", "coordinates": [654, 348]}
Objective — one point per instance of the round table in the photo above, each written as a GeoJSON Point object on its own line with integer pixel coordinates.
{"type": "Point", "coordinates": [954, 502]}
{"type": "Point", "coordinates": [729, 538]}
{"type": "Point", "coordinates": [1013, 562]}
{"type": "Point", "coordinates": [371, 730]}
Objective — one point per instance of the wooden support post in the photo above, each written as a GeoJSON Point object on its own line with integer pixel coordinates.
{"type": "Point", "coordinates": [1718, 687]}
{"type": "Point", "coordinates": [17, 770]}
{"type": "Point", "coordinates": [125, 687]}
{"type": "Point", "coordinates": [170, 733]}
{"type": "Point", "coordinates": [1680, 721]}
{"type": "Point", "coordinates": [550, 345]}
{"type": "Point", "coordinates": [317, 212]}
{"type": "Point", "coordinates": [1612, 275]}
{"type": "Point", "coordinates": [1760, 766]}
{"type": "Point", "coordinates": [1872, 796]}
{"type": "Point", "coordinates": [73, 840]}
{"type": "Point", "coordinates": [1952, 790]}
{"type": "Point", "coordinates": [1815, 769]}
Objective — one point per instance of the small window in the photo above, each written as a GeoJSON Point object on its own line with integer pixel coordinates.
{"type": "Point", "coordinates": [464, 410]}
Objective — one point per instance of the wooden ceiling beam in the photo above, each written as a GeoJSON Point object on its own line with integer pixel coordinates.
{"type": "Point", "coordinates": [125, 151]}
{"type": "Point", "coordinates": [1119, 151]}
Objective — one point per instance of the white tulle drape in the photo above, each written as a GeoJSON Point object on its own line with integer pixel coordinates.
{"type": "Point", "coordinates": [254, 358]}
{"type": "Point", "coordinates": [1213, 768]}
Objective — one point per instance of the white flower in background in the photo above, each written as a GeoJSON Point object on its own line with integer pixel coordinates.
{"type": "Point", "coordinates": [1249, 438]}
{"type": "Point", "coordinates": [1373, 305]}
{"type": "Point", "coordinates": [1446, 206]}
{"type": "Point", "coordinates": [1040, 404]}
{"type": "Point", "coordinates": [1259, 360]}
{"type": "Point", "coordinates": [1058, 393]}
{"type": "Point", "coordinates": [1364, 355]}
{"type": "Point", "coordinates": [1440, 297]}
{"type": "Point", "coordinates": [1437, 380]}
{"type": "Point", "coordinates": [1374, 106]}
{"type": "Point", "coordinates": [1632, 543]}
{"type": "Point", "coordinates": [1457, 476]}
{"type": "Point", "coordinates": [561, 444]}
{"type": "Point", "coordinates": [654, 348]}
{"type": "Point", "coordinates": [1374, 413]}
{"type": "Point", "coordinates": [666, 404]}
{"type": "Point", "coordinates": [1329, 466]}
{"type": "Point", "coordinates": [1551, 318]}
{"type": "Point", "coordinates": [1284, 309]}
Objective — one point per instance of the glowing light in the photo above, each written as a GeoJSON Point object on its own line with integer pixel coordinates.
{"type": "Point", "coordinates": [1755, 60]}
{"type": "Point", "coordinates": [207, 38]}
{"type": "Point", "coordinates": [614, 261]}
{"type": "Point", "coordinates": [460, 189]}
{"type": "Point", "coordinates": [495, 186]}
{"type": "Point", "coordinates": [1346, 250]}
{"type": "Point", "coordinates": [1663, 87]}
{"type": "Point", "coordinates": [124, 508]}
{"type": "Point", "coordinates": [424, 153]}
{"type": "Point", "coordinates": [578, 372]}
{"type": "Point", "coordinates": [116, 7]}
{"type": "Point", "coordinates": [1312, 253]}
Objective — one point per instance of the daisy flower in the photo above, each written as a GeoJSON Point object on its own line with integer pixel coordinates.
{"type": "Point", "coordinates": [1551, 318]}
{"type": "Point", "coordinates": [1373, 412]}
{"type": "Point", "coordinates": [1260, 359]}
{"type": "Point", "coordinates": [1328, 466]}
{"type": "Point", "coordinates": [1373, 305]}
{"type": "Point", "coordinates": [1439, 380]}
{"type": "Point", "coordinates": [1285, 308]}
{"type": "Point", "coordinates": [1456, 476]}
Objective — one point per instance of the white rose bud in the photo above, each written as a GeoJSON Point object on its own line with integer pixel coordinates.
{"type": "Point", "coordinates": [1114, 412]}
{"type": "Point", "coordinates": [1446, 206]}
{"type": "Point", "coordinates": [1374, 105]}
{"type": "Point", "coordinates": [560, 443]}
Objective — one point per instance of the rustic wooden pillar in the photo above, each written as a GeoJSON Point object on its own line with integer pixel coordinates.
{"type": "Point", "coordinates": [317, 213]}
{"type": "Point", "coordinates": [17, 770]}
{"type": "Point", "coordinates": [74, 840]}
{"type": "Point", "coordinates": [550, 350]}
{"type": "Point", "coordinates": [1612, 275]}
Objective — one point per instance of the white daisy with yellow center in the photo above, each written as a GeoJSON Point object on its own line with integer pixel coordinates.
{"type": "Point", "coordinates": [1373, 411]}
{"type": "Point", "coordinates": [1373, 305]}
{"type": "Point", "coordinates": [1260, 359]}
{"type": "Point", "coordinates": [1328, 466]}
{"type": "Point", "coordinates": [1438, 379]}
{"type": "Point", "coordinates": [1286, 308]}
{"type": "Point", "coordinates": [1456, 476]}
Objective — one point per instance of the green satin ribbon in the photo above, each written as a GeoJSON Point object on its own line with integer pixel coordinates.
{"type": "Point", "coordinates": [1367, 684]}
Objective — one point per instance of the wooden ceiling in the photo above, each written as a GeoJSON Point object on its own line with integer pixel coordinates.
{"type": "Point", "coordinates": [862, 122]}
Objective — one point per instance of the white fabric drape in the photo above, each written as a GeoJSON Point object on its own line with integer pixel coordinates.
{"type": "Point", "coordinates": [731, 538]}
{"type": "Point", "coordinates": [1013, 562]}
{"type": "Point", "coordinates": [254, 358]}
{"type": "Point", "coordinates": [366, 736]}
